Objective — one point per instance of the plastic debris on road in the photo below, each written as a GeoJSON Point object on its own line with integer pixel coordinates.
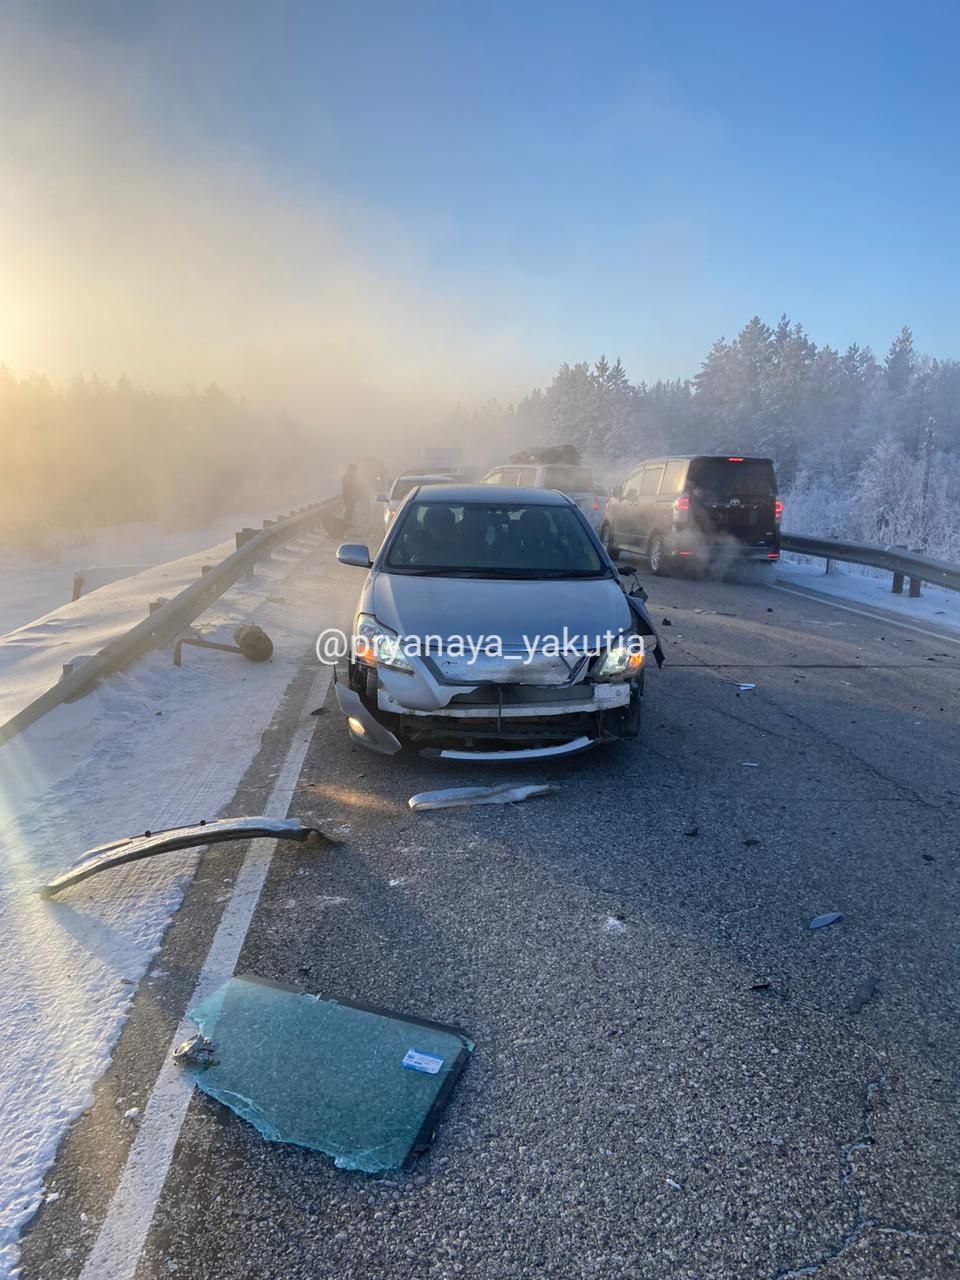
{"type": "Point", "coordinates": [863, 994]}
{"type": "Point", "coordinates": [822, 922]}
{"type": "Point", "coordinates": [455, 797]}
{"type": "Point", "coordinates": [151, 843]}
{"type": "Point", "coordinates": [365, 1086]}
{"type": "Point", "coordinates": [744, 688]}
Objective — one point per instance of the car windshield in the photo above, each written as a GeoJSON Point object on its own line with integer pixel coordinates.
{"type": "Point", "coordinates": [495, 540]}
{"type": "Point", "coordinates": [725, 478]}
{"type": "Point", "coordinates": [568, 479]}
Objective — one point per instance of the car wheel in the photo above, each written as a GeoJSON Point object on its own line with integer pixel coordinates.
{"type": "Point", "coordinates": [657, 556]}
{"type": "Point", "coordinates": [607, 539]}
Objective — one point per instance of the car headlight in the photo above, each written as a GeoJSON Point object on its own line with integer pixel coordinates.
{"type": "Point", "coordinates": [377, 646]}
{"type": "Point", "coordinates": [622, 660]}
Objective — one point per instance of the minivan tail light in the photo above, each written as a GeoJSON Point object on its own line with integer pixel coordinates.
{"type": "Point", "coordinates": [777, 509]}
{"type": "Point", "coordinates": [734, 459]}
{"type": "Point", "coordinates": [682, 503]}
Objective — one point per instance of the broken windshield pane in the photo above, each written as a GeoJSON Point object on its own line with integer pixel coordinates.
{"type": "Point", "coordinates": [364, 1086]}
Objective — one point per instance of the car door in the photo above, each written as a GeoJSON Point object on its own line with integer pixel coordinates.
{"type": "Point", "coordinates": [647, 511]}
{"type": "Point", "coordinates": [625, 510]}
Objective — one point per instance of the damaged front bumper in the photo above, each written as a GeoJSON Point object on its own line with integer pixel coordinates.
{"type": "Point", "coordinates": [487, 722]}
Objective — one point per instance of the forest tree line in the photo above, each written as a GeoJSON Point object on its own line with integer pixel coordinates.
{"type": "Point", "coordinates": [865, 447]}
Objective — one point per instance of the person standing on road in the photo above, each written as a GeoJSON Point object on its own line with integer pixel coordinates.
{"type": "Point", "coordinates": [349, 490]}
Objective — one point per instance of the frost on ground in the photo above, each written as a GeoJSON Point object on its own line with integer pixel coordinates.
{"type": "Point", "coordinates": [935, 604]}
{"type": "Point", "coordinates": [33, 585]}
{"type": "Point", "coordinates": [152, 747]}
{"type": "Point", "coordinates": [33, 655]}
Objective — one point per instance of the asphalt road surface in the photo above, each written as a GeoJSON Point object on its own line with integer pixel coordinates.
{"type": "Point", "coordinates": [670, 1080]}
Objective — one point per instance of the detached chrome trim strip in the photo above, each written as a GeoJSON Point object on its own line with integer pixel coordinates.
{"type": "Point", "coordinates": [527, 753]}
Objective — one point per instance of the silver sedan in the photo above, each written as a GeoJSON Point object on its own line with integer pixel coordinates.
{"type": "Point", "coordinates": [493, 626]}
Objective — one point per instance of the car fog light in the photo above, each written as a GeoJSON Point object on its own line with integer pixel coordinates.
{"type": "Point", "coordinates": [355, 725]}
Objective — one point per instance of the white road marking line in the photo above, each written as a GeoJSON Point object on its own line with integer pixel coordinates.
{"type": "Point", "coordinates": [878, 616]}
{"type": "Point", "coordinates": [123, 1232]}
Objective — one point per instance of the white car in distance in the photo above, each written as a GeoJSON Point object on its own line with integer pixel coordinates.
{"type": "Point", "coordinates": [401, 487]}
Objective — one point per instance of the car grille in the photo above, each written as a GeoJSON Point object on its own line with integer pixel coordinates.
{"type": "Point", "coordinates": [515, 695]}
{"type": "Point", "coordinates": [512, 667]}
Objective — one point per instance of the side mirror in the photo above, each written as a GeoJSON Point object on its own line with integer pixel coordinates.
{"type": "Point", "coordinates": [382, 497]}
{"type": "Point", "coordinates": [355, 554]}
{"type": "Point", "coordinates": [625, 570]}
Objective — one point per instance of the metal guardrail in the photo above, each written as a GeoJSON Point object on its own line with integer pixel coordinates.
{"type": "Point", "coordinates": [164, 622]}
{"type": "Point", "coordinates": [896, 560]}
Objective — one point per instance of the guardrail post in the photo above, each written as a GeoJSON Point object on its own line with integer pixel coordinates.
{"type": "Point", "coordinates": [243, 536]}
{"type": "Point", "coordinates": [897, 587]}
{"type": "Point", "coordinates": [916, 583]}
{"type": "Point", "coordinates": [77, 586]}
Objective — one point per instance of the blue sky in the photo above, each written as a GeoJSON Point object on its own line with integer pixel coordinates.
{"type": "Point", "coordinates": [636, 179]}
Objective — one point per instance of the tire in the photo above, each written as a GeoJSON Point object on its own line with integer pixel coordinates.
{"type": "Point", "coordinates": [609, 544]}
{"type": "Point", "coordinates": [656, 554]}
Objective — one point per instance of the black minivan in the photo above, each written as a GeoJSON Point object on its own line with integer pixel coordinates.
{"type": "Point", "coordinates": [698, 509]}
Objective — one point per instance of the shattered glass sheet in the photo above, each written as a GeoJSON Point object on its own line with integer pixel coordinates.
{"type": "Point", "coordinates": [364, 1086]}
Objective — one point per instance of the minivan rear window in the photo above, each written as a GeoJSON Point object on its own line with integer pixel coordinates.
{"type": "Point", "coordinates": [568, 479]}
{"type": "Point", "coordinates": [721, 478]}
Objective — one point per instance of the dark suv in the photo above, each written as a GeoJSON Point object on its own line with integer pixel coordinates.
{"type": "Point", "coordinates": [698, 509]}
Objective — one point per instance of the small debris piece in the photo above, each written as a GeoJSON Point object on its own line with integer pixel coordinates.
{"type": "Point", "coordinates": [769, 610]}
{"type": "Point", "coordinates": [745, 687]}
{"type": "Point", "coordinates": [318, 711]}
{"type": "Point", "coordinates": [666, 623]}
{"type": "Point", "coordinates": [928, 857]}
{"type": "Point", "coordinates": [823, 922]}
{"type": "Point", "coordinates": [197, 1051]}
{"type": "Point", "coordinates": [692, 831]}
{"type": "Point", "coordinates": [131, 1114]}
{"type": "Point", "coordinates": [863, 994]}
{"type": "Point", "coordinates": [750, 764]}
{"type": "Point", "coordinates": [675, 1185]}
{"type": "Point", "coordinates": [751, 841]}
{"type": "Point", "coordinates": [615, 925]}
{"type": "Point", "coordinates": [763, 985]}
{"type": "Point", "coordinates": [456, 797]}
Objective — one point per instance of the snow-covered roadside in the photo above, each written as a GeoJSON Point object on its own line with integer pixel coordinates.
{"type": "Point", "coordinates": [32, 656]}
{"type": "Point", "coordinates": [152, 747]}
{"type": "Point", "coordinates": [34, 585]}
{"type": "Point", "coordinates": [935, 604]}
